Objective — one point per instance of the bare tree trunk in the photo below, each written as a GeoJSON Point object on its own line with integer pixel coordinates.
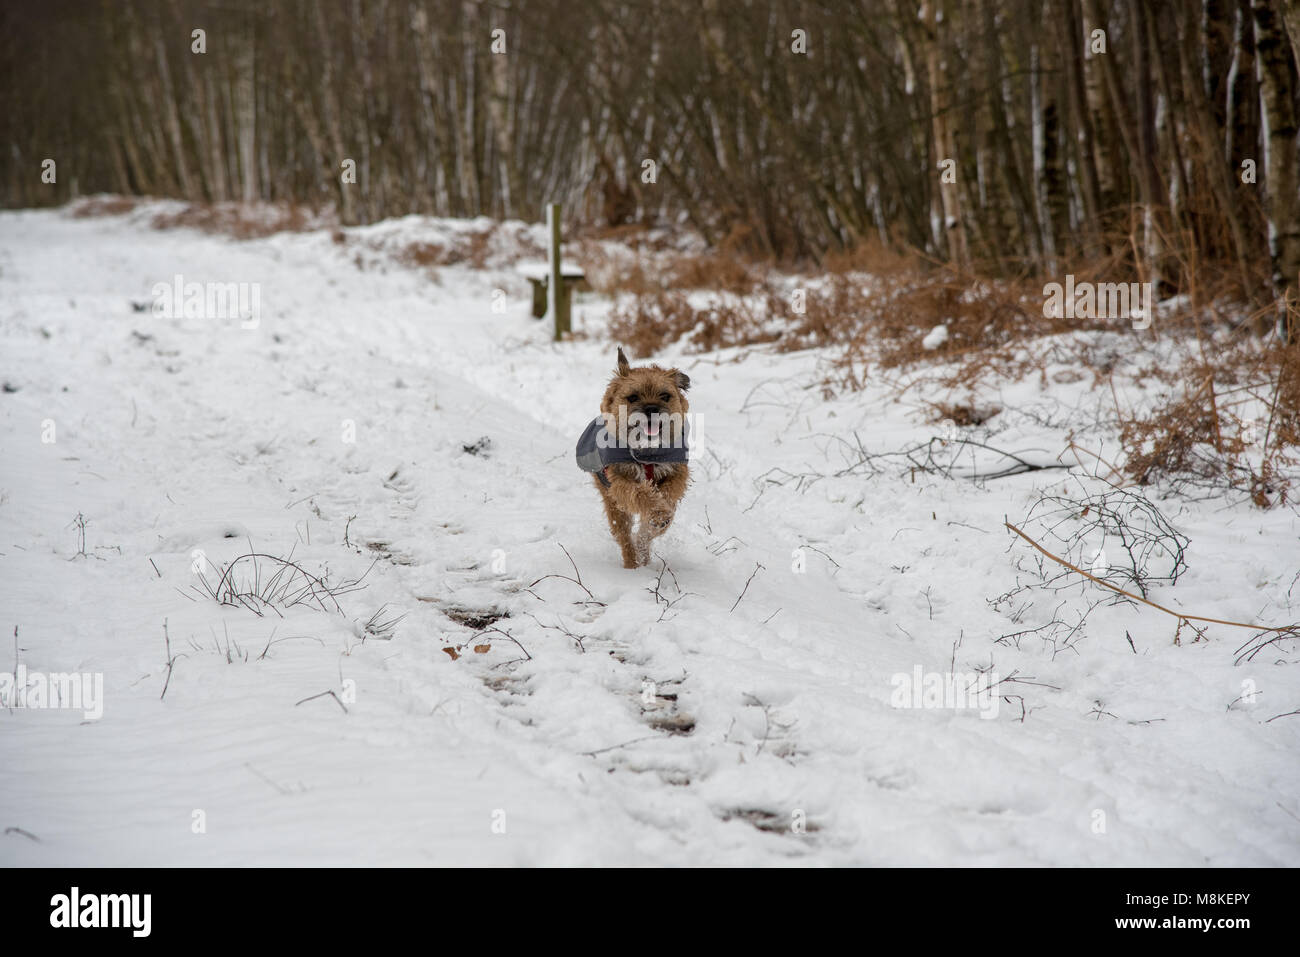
{"type": "Point", "coordinates": [1071, 39]}
{"type": "Point", "coordinates": [1123, 121]}
{"type": "Point", "coordinates": [1148, 173]}
{"type": "Point", "coordinates": [330, 107]}
{"type": "Point", "coordinates": [1216, 31]}
{"type": "Point", "coordinates": [437, 124]}
{"type": "Point", "coordinates": [1291, 16]}
{"type": "Point", "coordinates": [1039, 134]}
{"type": "Point", "coordinates": [1242, 122]}
{"type": "Point", "coordinates": [503, 124]}
{"type": "Point", "coordinates": [173, 120]}
{"type": "Point", "coordinates": [246, 113]}
{"type": "Point", "coordinates": [1003, 116]}
{"type": "Point", "coordinates": [211, 108]}
{"type": "Point", "coordinates": [1220, 176]}
{"type": "Point", "coordinates": [1275, 66]}
{"type": "Point", "coordinates": [945, 144]}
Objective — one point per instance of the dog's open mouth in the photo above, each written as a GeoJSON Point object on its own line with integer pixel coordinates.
{"type": "Point", "coordinates": [644, 430]}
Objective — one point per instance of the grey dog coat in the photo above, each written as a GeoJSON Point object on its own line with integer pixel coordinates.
{"type": "Point", "coordinates": [597, 449]}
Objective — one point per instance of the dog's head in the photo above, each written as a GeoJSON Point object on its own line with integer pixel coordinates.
{"type": "Point", "coordinates": [649, 401]}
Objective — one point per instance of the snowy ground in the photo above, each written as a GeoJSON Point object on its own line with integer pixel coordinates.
{"type": "Point", "coordinates": [678, 728]}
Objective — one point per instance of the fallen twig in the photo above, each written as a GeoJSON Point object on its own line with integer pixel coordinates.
{"type": "Point", "coordinates": [171, 660]}
{"type": "Point", "coordinates": [576, 579]}
{"type": "Point", "coordinates": [1287, 630]}
{"type": "Point", "coordinates": [323, 694]}
{"type": "Point", "coordinates": [757, 567]}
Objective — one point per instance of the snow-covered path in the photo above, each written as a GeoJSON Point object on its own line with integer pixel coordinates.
{"type": "Point", "coordinates": [659, 717]}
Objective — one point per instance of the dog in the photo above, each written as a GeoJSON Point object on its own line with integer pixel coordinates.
{"type": "Point", "coordinates": [644, 411]}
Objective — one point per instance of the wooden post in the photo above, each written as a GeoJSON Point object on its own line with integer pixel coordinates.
{"type": "Point", "coordinates": [539, 296]}
{"type": "Point", "coordinates": [564, 299]}
{"type": "Point", "coordinates": [555, 299]}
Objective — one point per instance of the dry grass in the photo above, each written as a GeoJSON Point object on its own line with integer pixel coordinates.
{"type": "Point", "coordinates": [104, 205]}
{"type": "Point", "coordinates": [871, 257]}
{"type": "Point", "coordinates": [881, 319]}
{"type": "Point", "coordinates": [490, 246]}
{"type": "Point", "coordinates": [614, 269]}
{"type": "Point", "coordinates": [241, 220]}
{"type": "Point", "coordinates": [1233, 423]}
{"type": "Point", "coordinates": [961, 414]}
{"type": "Point", "coordinates": [1231, 419]}
{"type": "Point", "coordinates": [652, 320]}
{"type": "Point", "coordinates": [478, 248]}
{"type": "Point", "coordinates": [712, 270]}
{"type": "Point", "coordinates": [233, 219]}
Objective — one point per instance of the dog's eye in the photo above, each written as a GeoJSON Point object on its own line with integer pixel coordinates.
{"type": "Point", "coordinates": [665, 397]}
{"type": "Point", "coordinates": [633, 397]}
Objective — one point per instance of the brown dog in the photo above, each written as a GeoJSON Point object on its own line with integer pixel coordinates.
{"type": "Point", "coordinates": [648, 405]}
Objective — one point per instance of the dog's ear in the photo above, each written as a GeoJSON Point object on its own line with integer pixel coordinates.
{"type": "Point", "coordinates": [623, 367]}
{"type": "Point", "coordinates": [683, 380]}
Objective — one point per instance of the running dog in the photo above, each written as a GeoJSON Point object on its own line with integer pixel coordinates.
{"type": "Point", "coordinates": [636, 451]}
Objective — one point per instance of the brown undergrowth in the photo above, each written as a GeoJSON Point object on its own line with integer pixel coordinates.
{"type": "Point", "coordinates": [1232, 420]}
{"type": "Point", "coordinates": [481, 244]}
{"type": "Point", "coordinates": [1227, 419]}
{"type": "Point", "coordinates": [234, 219]}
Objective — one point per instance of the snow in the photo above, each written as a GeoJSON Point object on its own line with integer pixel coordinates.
{"type": "Point", "coordinates": [568, 270]}
{"type": "Point", "coordinates": [687, 713]}
{"type": "Point", "coordinates": [935, 337]}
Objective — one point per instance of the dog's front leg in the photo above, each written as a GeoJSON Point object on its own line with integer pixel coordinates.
{"type": "Point", "coordinates": [662, 508]}
{"type": "Point", "coordinates": [666, 495]}
{"type": "Point", "coordinates": [625, 499]}
{"type": "Point", "coordinates": [620, 526]}
{"type": "Point", "coordinates": [654, 522]}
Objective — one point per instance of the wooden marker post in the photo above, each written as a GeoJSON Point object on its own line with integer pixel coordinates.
{"type": "Point", "coordinates": [556, 301]}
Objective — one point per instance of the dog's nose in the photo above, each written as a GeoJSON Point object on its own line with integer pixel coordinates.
{"type": "Point", "coordinates": [652, 409]}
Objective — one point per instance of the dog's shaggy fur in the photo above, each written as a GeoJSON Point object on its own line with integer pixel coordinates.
{"type": "Point", "coordinates": [651, 391]}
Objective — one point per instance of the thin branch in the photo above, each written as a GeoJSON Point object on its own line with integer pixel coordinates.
{"type": "Point", "coordinates": [1287, 630]}
{"type": "Point", "coordinates": [323, 694]}
{"type": "Point", "coordinates": [757, 567]}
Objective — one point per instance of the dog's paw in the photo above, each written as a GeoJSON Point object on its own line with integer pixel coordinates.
{"type": "Point", "coordinates": [660, 519]}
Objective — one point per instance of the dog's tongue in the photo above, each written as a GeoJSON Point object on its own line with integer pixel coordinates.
{"type": "Point", "coordinates": [652, 428]}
